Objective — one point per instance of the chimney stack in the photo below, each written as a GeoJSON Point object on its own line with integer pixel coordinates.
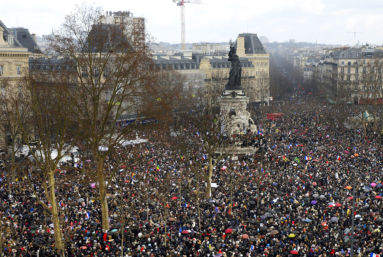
{"type": "Point", "coordinates": [34, 37]}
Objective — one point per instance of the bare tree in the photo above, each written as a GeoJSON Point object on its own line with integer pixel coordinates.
{"type": "Point", "coordinates": [113, 70]}
{"type": "Point", "coordinates": [263, 87]}
{"type": "Point", "coordinates": [51, 115]}
{"type": "Point", "coordinates": [11, 125]}
{"type": "Point", "coordinates": [200, 135]}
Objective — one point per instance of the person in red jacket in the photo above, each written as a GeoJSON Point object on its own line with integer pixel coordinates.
{"type": "Point", "coordinates": [105, 237]}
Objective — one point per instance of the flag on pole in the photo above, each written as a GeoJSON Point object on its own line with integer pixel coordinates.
{"type": "Point", "coordinates": [87, 215]}
{"type": "Point", "coordinates": [338, 158]}
{"type": "Point", "coordinates": [158, 167]}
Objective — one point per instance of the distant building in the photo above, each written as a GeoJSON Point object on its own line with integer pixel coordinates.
{"type": "Point", "coordinates": [264, 40]}
{"type": "Point", "coordinates": [133, 24]}
{"type": "Point", "coordinates": [341, 71]}
{"type": "Point", "coordinates": [16, 46]}
{"type": "Point", "coordinates": [206, 48]}
{"type": "Point", "coordinates": [292, 41]}
{"type": "Point", "coordinates": [211, 71]}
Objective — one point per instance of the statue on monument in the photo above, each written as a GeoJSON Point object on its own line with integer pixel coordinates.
{"type": "Point", "coordinates": [235, 71]}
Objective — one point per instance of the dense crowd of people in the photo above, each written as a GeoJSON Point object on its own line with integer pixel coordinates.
{"type": "Point", "coordinates": [313, 189]}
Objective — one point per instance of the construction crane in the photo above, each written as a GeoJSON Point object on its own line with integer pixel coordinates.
{"type": "Point", "coordinates": [182, 3]}
{"type": "Point", "coordinates": [355, 34]}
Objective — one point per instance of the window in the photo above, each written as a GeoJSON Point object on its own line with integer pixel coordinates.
{"type": "Point", "coordinates": [342, 70]}
{"type": "Point", "coordinates": [342, 62]}
{"type": "Point", "coordinates": [356, 77]}
{"type": "Point", "coordinates": [96, 72]}
{"type": "Point", "coordinates": [348, 70]}
{"type": "Point", "coordinates": [18, 70]}
{"type": "Point", "coordinates": [1, 70]}
{"type": "Point", "coordinates": [348, 78]}
{"type": "Point", "coordinates": [3, 92]}
{"type": "Point", "coordinates": [84, 72]}
{"type": "Point", "coordinates": [356, 70]}
{"type": "Point", "coordinates": [20, 90]}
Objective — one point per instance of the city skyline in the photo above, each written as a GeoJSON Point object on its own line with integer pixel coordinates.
{"type": "Point", "coordinates": [321, 21]}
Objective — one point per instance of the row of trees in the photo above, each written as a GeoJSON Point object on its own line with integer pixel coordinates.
{"type": "Point", "coordinates": [98, 76]}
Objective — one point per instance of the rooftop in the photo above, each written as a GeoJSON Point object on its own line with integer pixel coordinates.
{"type": "Point", "coordinates": [17, 38]}
{"type": "Point", "coordinates": [252, 44]}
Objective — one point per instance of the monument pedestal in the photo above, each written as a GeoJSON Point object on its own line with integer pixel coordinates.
{"type": "Point", "coordinates": [233, 110]}
{"type": "Point", "coordinates": [233, 106]}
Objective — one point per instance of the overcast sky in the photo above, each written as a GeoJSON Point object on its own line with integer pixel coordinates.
{"type": "Point", "coordinates": [327, 21]}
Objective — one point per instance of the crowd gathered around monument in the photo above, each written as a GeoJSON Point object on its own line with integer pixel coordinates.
{"type": "Point", "coordinates": [312, 183]}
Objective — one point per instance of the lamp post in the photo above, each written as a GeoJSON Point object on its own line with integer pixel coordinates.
{"type": "Point", "coordinates": [353, 216]}
{"type": "Point", "coordinates": [231, 190]}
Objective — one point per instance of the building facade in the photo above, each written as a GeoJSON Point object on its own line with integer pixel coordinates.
{"type": "Point", "coordinates": [17, 45]}
{"type": "Point", "coordinates": [134, 25]}
{"type": "Point", "coordinates": [214, 68]}
{"type": "Point", "coordinates": [342, 71]}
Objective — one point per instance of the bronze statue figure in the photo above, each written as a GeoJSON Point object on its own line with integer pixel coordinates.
{"type": "Point", "coordinates": [235, 71]}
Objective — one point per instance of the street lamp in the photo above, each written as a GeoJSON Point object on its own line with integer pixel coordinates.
{"type": "Point", "coordinates": [231, 188]}
{"type": "Point", "coordinates": [353, 216]}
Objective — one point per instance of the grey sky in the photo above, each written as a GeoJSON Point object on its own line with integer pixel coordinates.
{"type": "Point", "coordinates": [327, 21]}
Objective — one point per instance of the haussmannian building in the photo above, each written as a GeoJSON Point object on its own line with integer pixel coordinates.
{"type": "Point", "coordinates": [211, 71]}
{"type": "Point", "coordinates": [17, 45]}
{"type": "Point", "coordinates": [342, 71]}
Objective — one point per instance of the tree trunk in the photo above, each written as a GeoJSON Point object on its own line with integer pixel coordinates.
{"type": "Point", "coordinates": [122, 239]}
{"type": "Point", "coordinates": [1, 242]}
{"type": "Point", "coordinates": [375, 110]}
{"type": "Point", "coordinates": [258, 196]}
{"type": "Point", "coordinates": [13, 164]}
{"type": "Point", "coordinates": [165, 215]}
{"type": "Point", "coordinates": [103, 200]}
{"type": "Point", "coordinates": [55, 215]}
{"type": "Point", "coordinates": [199, 210]}
{"type": "Point", "coordinates": [210, 174]}
{"type": "Point", "coordinates": [231, 198]}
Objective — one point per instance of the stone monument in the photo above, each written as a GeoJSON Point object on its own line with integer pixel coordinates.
{"type": "Point", "coordinates": [233, 101]}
